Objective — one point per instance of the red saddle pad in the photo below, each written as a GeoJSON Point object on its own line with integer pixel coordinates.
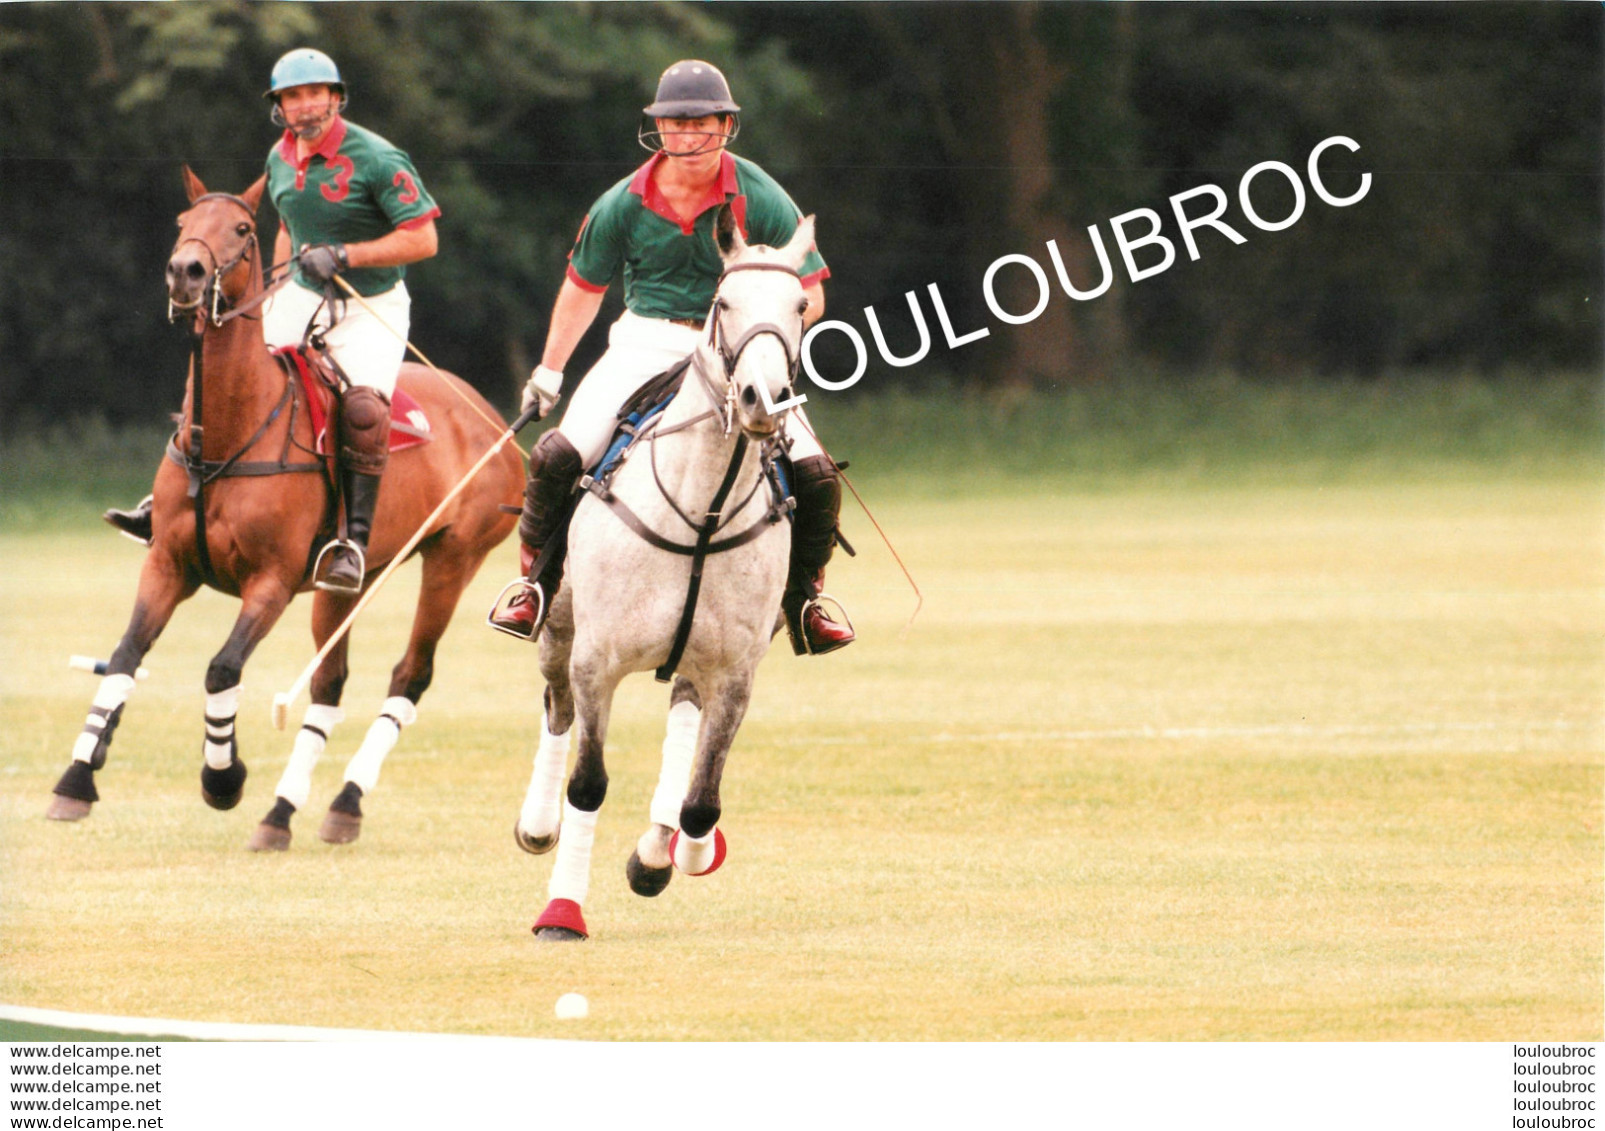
{"type": "Point", "coordinates": [409, 426]}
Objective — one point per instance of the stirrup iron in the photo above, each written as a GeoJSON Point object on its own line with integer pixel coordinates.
{"type": "Point", "coordinates": [802, 618]}
{"type": "Point", "coordinates": [362, 567]}
{"type": "Point", "coordinates": [504, 603]}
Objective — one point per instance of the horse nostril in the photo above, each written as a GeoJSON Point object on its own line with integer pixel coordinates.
{"type": "Point", "coordinates": [749, 396]}
{"type": "Point", "coordinates": [195, 270]}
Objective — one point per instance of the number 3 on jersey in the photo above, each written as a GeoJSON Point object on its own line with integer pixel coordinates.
{"type": "Point", "coordinates": [343, 168]}
{"type": "Point", "coordinates": [409, 191]}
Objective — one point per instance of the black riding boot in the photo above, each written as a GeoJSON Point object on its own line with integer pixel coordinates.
{"type": "Point", "coordinates": [818, 492]}
{"type": "Point", "coordinates": [364, 448]}
{"type": "Point", "coordinates": [135, 523]}
{"type": "Point", "coordinates": [348, 561]}
{"type": "Point", "coordinates": [554, 467]}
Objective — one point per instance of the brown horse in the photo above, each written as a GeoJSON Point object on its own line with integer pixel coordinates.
{"type": "Point", "coordinates": [262, 520]}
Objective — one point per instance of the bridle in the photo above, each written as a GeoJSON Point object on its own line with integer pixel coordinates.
{"type": "Point", "coordinates": [212, 296]}
{"type": "Point", "coordinates": [730, 354]}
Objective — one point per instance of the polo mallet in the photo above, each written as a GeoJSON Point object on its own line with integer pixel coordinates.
{"type": "Point", "coordinates": [919, 598]}
{"type": "Point", "coordinates": [98, 667]}
{"type": "Point", "coordinates": [283, 699]}
{"type": "Point", "coordinates": [418, 353]}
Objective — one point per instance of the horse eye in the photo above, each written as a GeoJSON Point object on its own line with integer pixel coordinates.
{"type": "Point", "coordinates": [243, 229]}
{"type": "Point", "coordinates": [721, 304]}
{"type": "Point", "coordinates": [802, 307]}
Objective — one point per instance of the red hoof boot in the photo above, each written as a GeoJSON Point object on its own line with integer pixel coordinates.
{"type": "Point", "coordinates": [561, 922]}
{"type": "Point", "coordinates": [697, 859]}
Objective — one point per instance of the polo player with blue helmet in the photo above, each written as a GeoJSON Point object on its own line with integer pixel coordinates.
{"type": "Point", "coordinates": [350, 204]}
{"type": "Point", "coordinates": [656, 227]}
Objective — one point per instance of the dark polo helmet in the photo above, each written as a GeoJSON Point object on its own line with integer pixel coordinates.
{"type": "Point", "coordinates": [692, 89]}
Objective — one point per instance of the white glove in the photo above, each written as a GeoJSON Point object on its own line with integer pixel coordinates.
{"type": "Point", "coordinates": [543, 388]}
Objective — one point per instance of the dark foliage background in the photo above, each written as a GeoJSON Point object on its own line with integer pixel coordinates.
{"type": "Point", "coordinates": [929, 138]}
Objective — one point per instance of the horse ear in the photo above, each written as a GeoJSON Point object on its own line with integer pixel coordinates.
{"type": "Point", "coordinates": [192, 185]}
{"type": "Point", "coordinates": [726, 235]}
{"type": "Point", "coordinates": [801, 242]}
{"type": "Point", "coordinates": [253, 195]}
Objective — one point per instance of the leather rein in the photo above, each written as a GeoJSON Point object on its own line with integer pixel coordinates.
{"type": "Point", "coordinates": [217, 309]}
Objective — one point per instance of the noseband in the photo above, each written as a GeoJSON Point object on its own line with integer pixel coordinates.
{"type": "Point", "coordinates": [730, 354]}
{"type": "Point", "coordinates": [214, 287]}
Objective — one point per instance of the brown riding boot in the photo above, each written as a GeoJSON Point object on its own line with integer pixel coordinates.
{"type": "Point", "coordinates": [817, 489]}
{"type": "Point", "coordinates": [554, 467]}
{"type": "Point", "coordinates": [364, 449]}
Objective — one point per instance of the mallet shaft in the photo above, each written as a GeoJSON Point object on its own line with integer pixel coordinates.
{"type": "Point", "coordinates": [282, 701]}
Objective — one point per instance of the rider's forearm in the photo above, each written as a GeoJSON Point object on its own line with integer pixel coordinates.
{"type": "Point", "coordinates": [395, 249]}
{"type": "Point", "coordinates": [572, 315]}
{"type": "Point", "coordinates": [282, 248]}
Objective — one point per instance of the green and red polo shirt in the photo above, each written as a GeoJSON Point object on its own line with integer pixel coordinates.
{"type": "Point", "coordinates": [355, 186]}
{"type": "Point", "coordinates": [671, 267]}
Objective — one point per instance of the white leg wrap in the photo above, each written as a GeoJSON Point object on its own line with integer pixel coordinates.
{"type": "Point", "coordinates": [295, 786]}
{"type": "Point", "coordinates": [398, 711]}
{"type": "Point", "coordinates": [694, 857]}
{"type": "Point", "coordinates": [543, 803]}
{"type": "Point", "coordinates": [111, 694]}
{"type": "Point", "coordinates": [571, 874]}
{"type": "Point", "coordinates": [679, 753]}
{"type": "Point", "coordinates": [221, 706]}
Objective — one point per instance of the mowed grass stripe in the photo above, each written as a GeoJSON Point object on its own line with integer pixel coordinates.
{"type": "Point", "coordinates": [1237, 763]}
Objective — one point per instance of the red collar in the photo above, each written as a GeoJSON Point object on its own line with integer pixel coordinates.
{"type": "Point", "coordinates": [645, 185]}
{"type": "Point", "coordinates": [327, 148]}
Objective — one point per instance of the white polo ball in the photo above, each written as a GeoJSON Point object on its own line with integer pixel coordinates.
{"type": "Point", "coordinates": [572, 1007]}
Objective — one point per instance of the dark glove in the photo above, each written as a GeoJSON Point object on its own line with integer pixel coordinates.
{"type": "Point", "coordinates": [323, 261]}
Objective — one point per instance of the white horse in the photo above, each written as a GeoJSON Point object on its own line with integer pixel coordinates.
{"type": "Point", "coordinates": [698, 478]}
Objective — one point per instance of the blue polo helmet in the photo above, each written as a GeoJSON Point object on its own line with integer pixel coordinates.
{"type": "Point", "coordinates": [302, 67]}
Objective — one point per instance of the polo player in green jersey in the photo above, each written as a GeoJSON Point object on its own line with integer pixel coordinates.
{"type": "Point", "coordinates": [349, 203]}
{"type": "Point", "coordinates": [656, 226]}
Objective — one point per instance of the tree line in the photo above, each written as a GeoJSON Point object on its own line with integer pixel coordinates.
{"type": "Point", "coordinates": [930, 139]}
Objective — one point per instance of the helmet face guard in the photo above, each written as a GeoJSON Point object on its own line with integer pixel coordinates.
{"type": "Point", "coordinates": [691, 89]}
{"type": "Point", "coordinates": [651, 138]}
{"type": "Point", "coordinates": [304, 66]}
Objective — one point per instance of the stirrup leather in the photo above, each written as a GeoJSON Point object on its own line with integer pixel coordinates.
{"type": "Point", "coordinates": [798, 632]}
{"type": "Point", "coordinates": [320, 582]}
{"type": "Point", "coordinates": [504, 604]}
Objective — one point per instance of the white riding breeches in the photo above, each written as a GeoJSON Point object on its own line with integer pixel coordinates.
{"type": "Point", "coordinates": [638, 349]}
{"type": "Point", "coordinates": [370, 354]}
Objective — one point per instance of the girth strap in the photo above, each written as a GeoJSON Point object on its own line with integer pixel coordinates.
{"type": "Point", "coordinates": [699, 555]}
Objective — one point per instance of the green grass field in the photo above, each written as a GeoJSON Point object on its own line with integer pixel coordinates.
{"type": "Point", "coordinates": [1171, 756]}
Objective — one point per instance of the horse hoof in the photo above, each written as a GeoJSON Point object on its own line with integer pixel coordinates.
{"type": "Point", "coordinates": [222, 789]}
{"type": "Point", "coordinates": [74, 794]}
{"type": "Point", "coordinates": [558, 934]}
{"type": "Point", "coordinates": [535, 845]}
{"type": "Point", "coordinates": [647, 881]}
{"type": "Point", "coordinates": [561, 922]}
{"type": "Point", "coordinates": [269, 838]}
{"type": "Point", "coordinates": [339, 828]}
{"type": "Point", "coordinates": [696, 859]}
{"type": "Point", "coordinates": [67, 809]}
{"type": "Point", "coordinates": [342, 824]}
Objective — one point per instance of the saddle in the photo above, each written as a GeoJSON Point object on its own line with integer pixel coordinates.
{"type": "Point", "coordinates": [409, 426]}
{"type": "Point", "coordinates": [646, 406]}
